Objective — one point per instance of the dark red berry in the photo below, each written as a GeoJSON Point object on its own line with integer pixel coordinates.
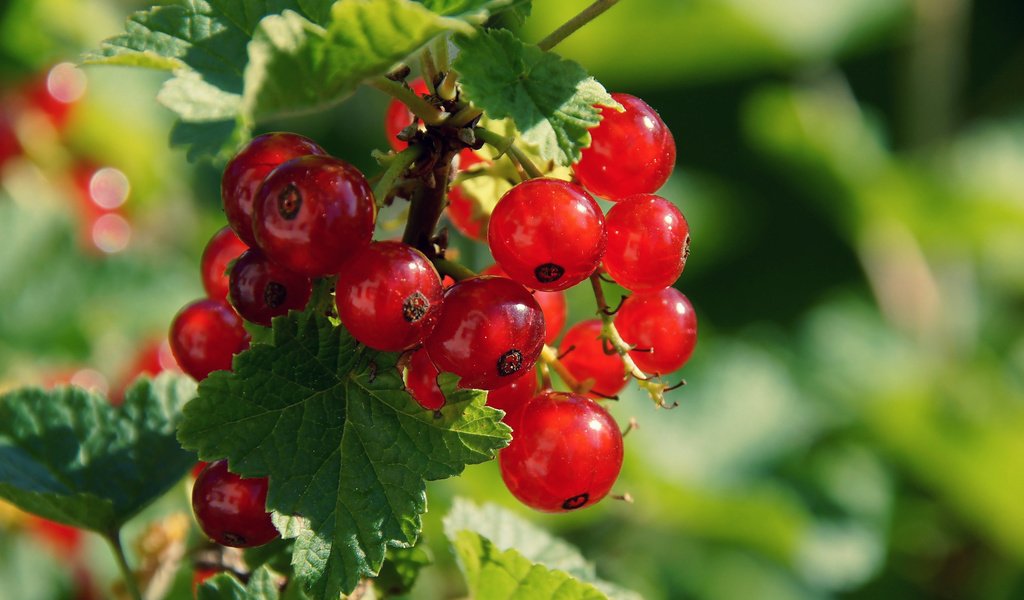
{"type": "Point", "coordinates": [553, 304]}
{"type": "Point", "coordinates": [512, 396]}
{"type": "Point", "coordinates": [648, 242]}
{"type": "Point", "coordinates": [421, 381]}
{"type": "Point", "coordinates": [231, 510]}
{"type": "Point", "coordinates": [246, 171]}
{"type": "Point", "coordinates": [313, 213]}
{"type": "Point", "coordinates": [663, 328]}
{"type": "Point", "coordinates": [389, 296]}
{"type": "Point", "coordinates": [490, 328]}
{"type": "Point", "coordinates": [262, 290]}
{"type": "Point", "coordinates": [584, 355]}
{"type": "Point", "coordinates": [205, 335]}
{"type": "Point", "coordinates": [566, 453]}
{"type": "Point", "coordinates": [631, 152]}
{"type": "Point", "coordinates": [222, 248]}
{"type": "Point", "coordinates": [547, 234]}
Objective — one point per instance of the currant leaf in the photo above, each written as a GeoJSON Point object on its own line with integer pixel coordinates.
{"type": "Point", "coordinates": [297, 65]}
{"type": "Point", "coordinates": [69, 456]}
{"type": "Point", "coordinates": [552, 101]}
{"type": "Point", "coordinates": [344, 445]}
{"type": "Point", "coordinates": [456, 7]}
{"type": "Point", "coordinates": [505, 556]}
{"type": "Point", "coordinates": [224, 586]}
{"type": "Point", "coordinates": [401, 568]}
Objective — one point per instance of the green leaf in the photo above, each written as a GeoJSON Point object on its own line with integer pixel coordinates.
{"type": "Point", "coordinates": [456, 7]}
{"type": "Point", "coordinates": [401, 568]}
{"type": "Point", "coordinates": [224, 586]}
{"type": "Point", "coordinates": [296, 65]}
{"type": "Point", "coordinates": [552, 101]}
{"type": "Point", "coordinates": [479, 533]}
{"type": "Point", "coordinates": [69, 456]}
{"type": "Point", "coordinates": [344, 445]}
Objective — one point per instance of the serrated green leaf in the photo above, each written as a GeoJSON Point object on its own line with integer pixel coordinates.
{"type": "Point", "coordinates": [69, 456]}
{"type": "Point", "coordinates": [508, 532]}
{"type": "Point", "coordinates": [457, 7]}
{"type": "Point", "coordinates": [297, 65]}
{"type": "Point", "coordinates": [344, 445]}
{"type": "Point", "coordinates": [552, 101]}
{"type": "Point", "coordinates": [224, 586]}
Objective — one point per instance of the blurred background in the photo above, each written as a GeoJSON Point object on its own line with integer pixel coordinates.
{"type": "Point", "coordinates": [853, 175]}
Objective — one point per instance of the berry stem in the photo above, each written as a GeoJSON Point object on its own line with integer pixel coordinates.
{"type": "Point", "coordinates": [549, 357]}
{"type": "Point", "coordinates": [441, 47]}
{"type": "Point", "coordinates": [453, 269]}
{"type": "Point", "coordinates": [654, 388]}
{"type": "Point", "coordinates": [427, 112]}
{"type": "Point", "coordinates": [428, 200]}
{"type": "Point", "coordinates": [570, 27]}
{"type": "Point", "coordinates": [507, 145]}
{"type": "Point", "coordinates": [464, 116]}
{"type": "Point", "coordinates": [114, 539]}
{"type": "Point", "coordinates": [398, 165]}
{"type": "Point", "coordinates": [429, 68]}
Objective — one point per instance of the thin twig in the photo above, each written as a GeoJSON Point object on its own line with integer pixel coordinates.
{"type": "Point", "coordinates": [508, 146]}
{"type": "Point", "coordinates": [427, 112]}
{"type": "Point", "coordinates": [572, 25]}
{"type": "Point", "coordinates": [122, 563]}
{"type": "Point", "coordinates": [399, 164]}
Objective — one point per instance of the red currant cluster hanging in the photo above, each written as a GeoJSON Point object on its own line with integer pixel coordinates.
{"type": "Point", "coordinates": [298, 216]}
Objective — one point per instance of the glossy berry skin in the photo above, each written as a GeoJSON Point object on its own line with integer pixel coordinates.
{"type": "Point", "coordinates": [566, 453]}
{"type": "Point", "coordinates": [631, 152]}
{"type": "Point", "coordinates": [556, 311]}
{"type": "Point", "coordinates": [246, 171]}
{"type": "Point", "coordinates": [421, 381]}
{"type": "Point", "coordinates": [648, 243]}
{"type": "Point", "coordinates": [513, 396]}
{"type": "Point", "coordinates": [262, 290]}
{"type": "Point", "coordinates": [490, 328]}
{"type": "Point", "coordinates": [460, 213]}
{"type": "Point", "coordinates": [312, 213]}
{"type": "Point", "coordinates": [389, 296]}
{"type": "Point", "coordinates": [662, 322]}
{"type": "Point", "coordinates": [205, 335]}
{"type": "Point", "coordinates": [583, 354]}
{"type": "Point", "coordinates": [231, 510]}
{"type": "Point", "coordinates": [547, 234]}
{"type": "Point", "coordinates": [224, 247]}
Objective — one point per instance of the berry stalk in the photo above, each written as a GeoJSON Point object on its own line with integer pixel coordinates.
{"type": "Point", "coordinates": [427, 204]}
{"type": "Point", "coordinates": [396, 168]}
{"type": "Point", "coordinates": [427, 112]}
{"type": "Point", "coordinates": [570, 27]}
{"type": "Point", "coordinates": [507, 146]}
{"type": "Point", "coordinates": [114, 539]}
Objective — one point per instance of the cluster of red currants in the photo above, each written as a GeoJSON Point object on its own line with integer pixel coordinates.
{"type": "Point", "coordinates": [296, 214]}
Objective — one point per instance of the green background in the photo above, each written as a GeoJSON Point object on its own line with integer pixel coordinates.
{"type": "Point", "coordinates": [853, 175]}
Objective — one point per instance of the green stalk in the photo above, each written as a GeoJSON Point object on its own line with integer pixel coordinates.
{"type": "Point", "coordinates": [572, 25]}
{"type": "Point", "coordinates": [114, 539]}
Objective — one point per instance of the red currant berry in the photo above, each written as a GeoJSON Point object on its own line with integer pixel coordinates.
{"type": "Point", "coordinates": [556, 311]}
{"type": "Point", "coordinates": [583, 354]}
{"type": "Point", "coordinates": [205, 335]}
{"type": "Point", "coordinates": [389, 296]}
{"type": "Point", "coordinates": [245, 172]}
{"type": "Point", "coordinates": [262, 290]}
{"type": "Point", "coordinates": [462, 215]}
{"type": "Point", "coordinates": [231, 510]}
{"type": "Point", "coordinates": [566, 453]}
{"type": "Point", "coordinates": [490, 328]}
{"type": "Point", "coordinates": [547, 234]}
{"type": "Point", "coordinates": [312, 213]}
{"type": "Point", "coordinates": [398, 116]}
{"type": "Point", "coordinates": [662, 326]}
{"type": "Point", "coordinates": [648, 242]}
{"type": "Point", "coordinates": [421, 381]}
{"type": "Point", "coordinates": [222, 248]}
{"type": "Point", "coordinates": [631, 152]}
{"type": "Point", "coordinates": [513, 396]}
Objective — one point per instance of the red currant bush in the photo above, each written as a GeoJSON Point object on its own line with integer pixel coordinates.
{"type": "Point", "coordinates": [312, 213]}
{"type": "Point", "coordinates": [262, 290]}
{"type": "Point", "coordinates": [222, 248]}
{"type": "Point", "coordinates": [648, 242]}
{"type": "Point", "coordinates": [489, 330]}
{"type": "Point", "coordinates": [388, 296]}
{"type": "Point", "coordinates": [566, 453]}
{"type": "Point", "coordinates": [663, 328]}
{"type": "Point", "coordinates": [232, 510]}
{"type": "Point", "coordinates": [547, 234]}
{"type": "Point", "coordinates": [631, 152]}
{"type": "Point", "coordinates": [204, 337]}
{"type": "Point", "coordinates": [246, 171]}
